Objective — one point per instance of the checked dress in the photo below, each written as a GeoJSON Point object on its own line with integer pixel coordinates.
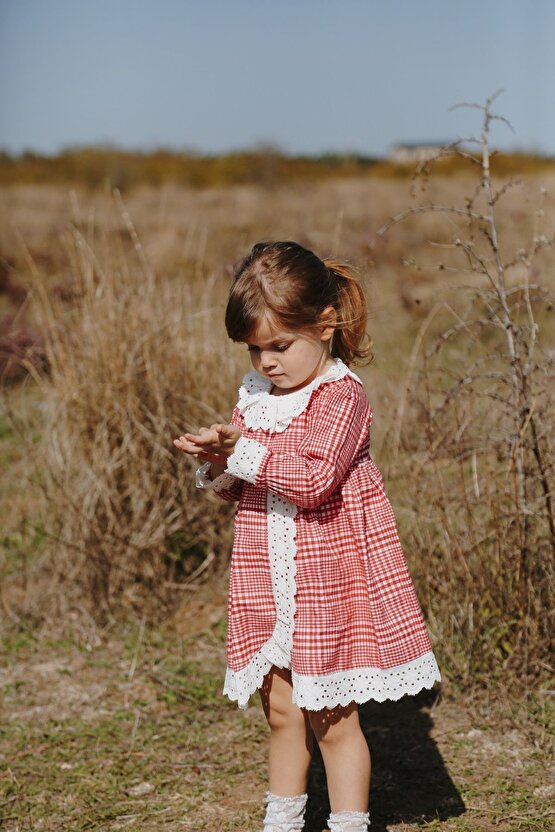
{"type": "Point", "coordinates": [318, 581]}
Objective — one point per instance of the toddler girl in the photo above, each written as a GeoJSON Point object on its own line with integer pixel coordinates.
{"type": "Point", "coordinates": [322, 611]}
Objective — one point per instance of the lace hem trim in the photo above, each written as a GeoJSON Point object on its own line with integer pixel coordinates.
{"type": "Point", "coordinates": [361, 684]}
{"type": "Point", "coordinates": [317, 692]}
{"type": "Point", "coordinates": [275, 413]}
{"type": "Point", "coordinates": [239, 685]}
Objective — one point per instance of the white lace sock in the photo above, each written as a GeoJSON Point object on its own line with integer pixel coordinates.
{"type": "Point", "coordinates": [349, 822]}
{"type": "Point", "coordinates": [284, 814]}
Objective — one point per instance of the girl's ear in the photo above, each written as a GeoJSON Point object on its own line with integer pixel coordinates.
{"type": "Point", "coordinates": [328, 318]}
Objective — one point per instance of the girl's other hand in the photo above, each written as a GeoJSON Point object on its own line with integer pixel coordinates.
{"type": "Point", "coordinates": [213, 444]}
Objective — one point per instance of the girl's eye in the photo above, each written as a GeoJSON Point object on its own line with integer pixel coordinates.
{"type": "Point", "coordinates": [278, 348]}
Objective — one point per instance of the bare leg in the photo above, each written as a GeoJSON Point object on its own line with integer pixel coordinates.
{"type": "Point", "coordinates": [290, 736]}
{"type": "Point", "coordinates": [346, 757]}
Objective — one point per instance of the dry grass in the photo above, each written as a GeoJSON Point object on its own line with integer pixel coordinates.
{"type": "Point", "coordinates": [137, 353]}
{"type": "Point", "coordinates": [475, 429]}
{"type": "Point", "coordinates": [130, 731]}
{"type": "Point", "coordinates": [132, 362]}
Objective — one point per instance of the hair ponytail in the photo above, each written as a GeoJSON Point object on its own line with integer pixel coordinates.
{"type": "Point", "coordinates": [295, 286]}
{"type": "Point", "coordinates": [351, 343]}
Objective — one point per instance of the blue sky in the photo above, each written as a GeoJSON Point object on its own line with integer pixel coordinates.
{"type": "Point", "coordinates": [211, 75]}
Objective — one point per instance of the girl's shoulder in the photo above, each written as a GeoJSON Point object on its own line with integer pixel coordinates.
{"type": "Point", "coordinates": [275, 413]}
{"type": "Point", "coordinates": [345, 393]}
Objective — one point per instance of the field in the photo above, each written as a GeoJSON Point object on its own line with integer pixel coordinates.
{"type": "Point", "coordinates": [131, 732]}
{"type": "Point", "coordinates": [113, 568]}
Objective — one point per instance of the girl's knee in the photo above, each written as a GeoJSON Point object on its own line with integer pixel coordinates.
{"type": "Point", "coordinates": [276, 695]}
{"type": "Point", "coordinates": [282, 716]}
{"type": "Point", "coordinates": [331, 725]}
{"type": "Point", "coordinates": [281, 713]}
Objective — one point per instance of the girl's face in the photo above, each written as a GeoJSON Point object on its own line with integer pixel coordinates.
{"type": "Point", "coordinates": [290, 358]}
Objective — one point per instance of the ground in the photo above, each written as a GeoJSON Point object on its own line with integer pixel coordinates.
{"type": "Point", "coordinates": [129, 730]}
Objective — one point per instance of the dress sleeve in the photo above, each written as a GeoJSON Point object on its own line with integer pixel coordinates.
{"type": "Point", "coordinates": [337, 426]}
{"type": "Point", "coordinates": [226, 486]}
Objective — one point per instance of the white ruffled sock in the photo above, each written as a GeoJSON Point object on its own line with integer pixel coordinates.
{"type": "Point", "coordinates": [349, 822]}
{"type": "Point", "coordinates": [284, 814]}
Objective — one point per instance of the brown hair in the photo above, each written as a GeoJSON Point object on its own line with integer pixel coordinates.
{"type": "Point", "coordinates": [294, 286]}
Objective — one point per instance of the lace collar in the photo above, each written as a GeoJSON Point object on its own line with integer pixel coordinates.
{"type": "Point", "coordinates": [275, 413]}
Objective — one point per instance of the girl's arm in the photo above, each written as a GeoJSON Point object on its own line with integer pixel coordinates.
{"type": "Point", "coordinates": [213, 476]}
{"type": "Point", "coordinates": [224, 485]}
{"type": "Point", "coordinates": [338, 426]}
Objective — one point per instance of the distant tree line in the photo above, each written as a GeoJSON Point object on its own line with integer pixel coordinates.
{"type": "Point", "coordinates": [110, 167]}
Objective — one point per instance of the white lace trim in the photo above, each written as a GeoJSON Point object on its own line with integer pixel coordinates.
{"type": "Point", "coordinates": [275, 413]}
{"type": "Point", "coordinates": [349, 821]}
{"type": "Point", "coordinates": [240, 684]}
{"type": "Point", "coordinates": [361, 684]}
{"type": "Point", "coordinates": [220, 483]}
{"type": "Point", "coordinates": [316, 692]}
{"type": "Point", "coordinates": [284, 813]}
{"type": "Point", "coordinates": [282, 549]}
{"type": "Point", "coordinates": [245, 460]}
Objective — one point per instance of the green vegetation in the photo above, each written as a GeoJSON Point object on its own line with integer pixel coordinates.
{"type": "Point", "coordinates": [133, 733]}
{"type": "Point", "coordinates": [111, 167]}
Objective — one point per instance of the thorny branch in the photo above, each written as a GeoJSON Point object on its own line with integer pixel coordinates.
{"type": "Point", "coordinates": [512, 374]}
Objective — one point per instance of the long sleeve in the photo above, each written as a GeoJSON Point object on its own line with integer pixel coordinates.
{"type": "Point", "coordinates": [337, 427]}
{"type": "Point", "coordinates": [226, 486]}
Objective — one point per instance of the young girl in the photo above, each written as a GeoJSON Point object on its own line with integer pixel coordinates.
{"type": "Point", "coordinates": [322, 611]}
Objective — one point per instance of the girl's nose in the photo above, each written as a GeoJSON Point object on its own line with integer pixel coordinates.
{"type": "Point", "coordinates": [267, 360]}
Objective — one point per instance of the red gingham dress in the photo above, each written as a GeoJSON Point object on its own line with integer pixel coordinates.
{"type": "Point", "coordinates": [318, 581]}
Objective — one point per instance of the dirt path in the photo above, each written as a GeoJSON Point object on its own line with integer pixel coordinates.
{"type": "Point", "coordinates": [132, 733]}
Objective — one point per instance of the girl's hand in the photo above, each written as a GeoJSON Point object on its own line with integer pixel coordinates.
{"type": "Point", "coordinates": [213, 444]}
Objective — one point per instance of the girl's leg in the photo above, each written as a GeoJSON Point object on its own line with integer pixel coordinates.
{"type": "Point", "coordinates": [290, 736]}
{"type": "Point", "coordinates": [346, 758]}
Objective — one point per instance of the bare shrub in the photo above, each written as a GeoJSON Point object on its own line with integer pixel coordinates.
{"type": "Point", "coordinates": [134, 361]}
{"type": "Point", "coordinates": [474, 433]}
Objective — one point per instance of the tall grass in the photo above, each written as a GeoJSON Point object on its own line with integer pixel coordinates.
{"type": "Point", "coordinates": [134, 361]}
{"type": "Point", "coordinates": [137, 354]}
